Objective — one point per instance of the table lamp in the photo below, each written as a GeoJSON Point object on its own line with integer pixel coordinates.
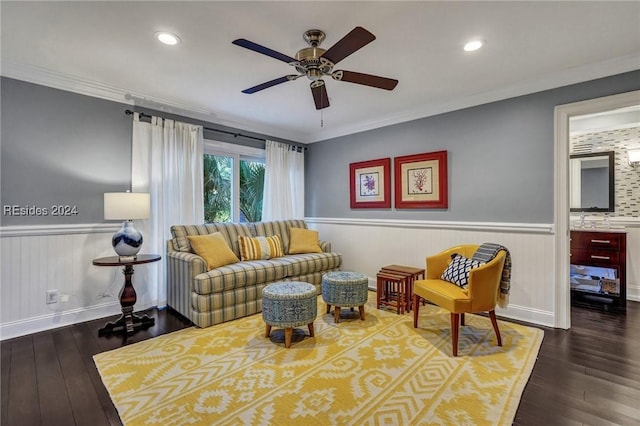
{"type": "Point", "coordinates": [126, 206]}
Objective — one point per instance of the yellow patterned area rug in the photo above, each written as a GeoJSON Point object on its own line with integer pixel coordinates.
{"type": "Point", "coordinates": [380, 371]}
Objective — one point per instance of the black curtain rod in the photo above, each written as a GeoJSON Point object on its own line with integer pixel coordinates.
{"type": "Point", "coordinates": [234, 134]}
{"type": "Point", "coordinates": [226, 132]}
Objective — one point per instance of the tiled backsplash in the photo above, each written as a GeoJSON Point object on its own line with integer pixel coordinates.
{"type": "Point", "coordinates": [627, 178]}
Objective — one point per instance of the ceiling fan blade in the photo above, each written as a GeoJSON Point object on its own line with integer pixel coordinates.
{"type": "Point", "coordinates": [365, 79]}
{"type": "Point", "coordinates": [264, 50]}
{"type": "Point", "coordinates": [268, 84]}
{"type": "Point", "coordinates": [356, 39]}
{"type": "Point", "coordinates": [319, 92]}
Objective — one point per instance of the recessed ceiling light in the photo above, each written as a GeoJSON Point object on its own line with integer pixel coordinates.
{"type": "Point", "coordinates": [168, 38]}
{"type": "Point", "coordinates": [472, 45]}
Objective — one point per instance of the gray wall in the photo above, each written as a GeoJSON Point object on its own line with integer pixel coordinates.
{"type": "Point", "coordinates": [500, 158]}
{"type": "Point", "coordinates": [62, 148]}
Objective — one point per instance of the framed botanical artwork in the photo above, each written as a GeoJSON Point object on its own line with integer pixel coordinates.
{"type": "Point", "coordinates": [370, 184]}
{"type": "Point", "coordinates": [421, 181]}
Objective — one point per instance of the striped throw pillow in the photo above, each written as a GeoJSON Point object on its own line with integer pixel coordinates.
{"type": "Point", "coordinates": [260, 248]}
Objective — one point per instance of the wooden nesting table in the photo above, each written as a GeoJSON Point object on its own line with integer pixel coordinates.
{"type": "Point", "coordinates": [394, 287]}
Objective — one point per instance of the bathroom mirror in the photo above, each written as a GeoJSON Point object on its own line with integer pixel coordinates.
{"type": "Point", "coordinates": [592, 182]}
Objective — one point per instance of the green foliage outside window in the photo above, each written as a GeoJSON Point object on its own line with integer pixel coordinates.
{"type": "Point", "coordinates": [218, 178]}
{"type": "Point", "coordinates": [217, 188]}
{"type": "Point", "coordinates": [251, 190]}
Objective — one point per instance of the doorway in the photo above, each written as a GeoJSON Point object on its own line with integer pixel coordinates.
{"type": "Point", "coordinates": [563, 114]}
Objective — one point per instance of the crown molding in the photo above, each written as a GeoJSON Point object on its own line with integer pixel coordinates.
{"type": "Point", "coordinates": [47, 77]}
{"type": "Point", "coordinates": [550, 81]}
{"type": "Point", "coordinates": [71, 83]}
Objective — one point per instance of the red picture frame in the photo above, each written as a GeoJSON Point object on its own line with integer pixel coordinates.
{"type": "Point", "coordinates": [421, 181]}
{"type": "Point", "coordinates": [370, 184]}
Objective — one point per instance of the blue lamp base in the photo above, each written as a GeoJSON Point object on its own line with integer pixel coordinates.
{"type": "Point", "coordinates": [127, 241]}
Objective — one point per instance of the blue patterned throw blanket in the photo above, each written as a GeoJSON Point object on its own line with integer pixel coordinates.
{"type": "Point", "coordinates": [484, 254]}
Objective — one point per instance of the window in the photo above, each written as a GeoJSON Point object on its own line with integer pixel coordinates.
{"type": "Point", "coordinates": [233, 182]}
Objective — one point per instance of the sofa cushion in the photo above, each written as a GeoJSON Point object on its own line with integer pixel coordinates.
{"type": "Point", "coordinates": [224, 306]}
{"type": "Point", "coordinates": [260, 248]}
{"type": "Point", "coordinates": [303, 241]}
{"type": "Point", "coordinates": [240, 274]}
{"type": "Point", "coordinates": [213, 249]}
{"type": "Point", "coordinates": [301, 264]}
{"type": "Point", "coordinates": [230, 232]}
{"type": "Point", "coordinates": [278, 227]}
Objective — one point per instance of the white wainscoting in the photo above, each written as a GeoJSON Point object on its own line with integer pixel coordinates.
{"type": "Point", "coordinates": [35, 259]}
{"type": "Point", "coordinates": [367, 245]}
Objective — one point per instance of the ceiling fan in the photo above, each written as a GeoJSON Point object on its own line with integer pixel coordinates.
{"type": "Point", "coordinates": [315, 63]}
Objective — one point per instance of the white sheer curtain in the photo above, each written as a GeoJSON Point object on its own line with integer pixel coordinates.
{"type": "Point", "coordinates": [283, 182]}
{"type": "Point", "coordinates": [167, 163]}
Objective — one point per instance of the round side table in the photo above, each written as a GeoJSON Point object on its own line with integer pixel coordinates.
{"type": "Point", "coordinates": [128, 321]}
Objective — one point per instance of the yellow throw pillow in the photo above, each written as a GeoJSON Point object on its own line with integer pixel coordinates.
{"type": "Point", "coordinates": [214, 249]}
{"type": "Point", "coordinates": [303, 241]}
{"type": "Point", "coordinates": [260, 248]}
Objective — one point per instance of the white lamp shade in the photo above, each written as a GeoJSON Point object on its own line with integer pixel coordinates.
{"type": "Point", "coordinates": [634, 156]}
{"type": "Point", "coordinates": [126, 205]}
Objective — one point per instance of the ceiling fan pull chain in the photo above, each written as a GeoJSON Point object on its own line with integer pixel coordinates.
{"type": "Point", "coordinates": [322, 118]}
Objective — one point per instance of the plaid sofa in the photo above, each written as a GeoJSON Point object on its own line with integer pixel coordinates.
{"type": "Point", "coordinates": [235, 290]}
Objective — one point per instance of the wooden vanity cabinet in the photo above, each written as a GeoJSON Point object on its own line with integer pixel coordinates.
{"type": "Point", "coordinates": [604, 250]}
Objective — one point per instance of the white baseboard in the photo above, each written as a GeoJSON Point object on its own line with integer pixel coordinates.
{"type": "Point", "coordinates": [26, 326]}
{"type": "Point", "coordinates": [633, 293]}
{"type": "Point", "coordinates": [514, 312]}
{"type": "Point", "coordinates": [526, 314]}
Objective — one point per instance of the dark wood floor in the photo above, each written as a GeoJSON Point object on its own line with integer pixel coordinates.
{"type": "Point", "coordinates": [589, 375]}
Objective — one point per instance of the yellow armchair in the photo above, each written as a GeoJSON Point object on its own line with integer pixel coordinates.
{"type": "Point", "coordinates": [480, 295]}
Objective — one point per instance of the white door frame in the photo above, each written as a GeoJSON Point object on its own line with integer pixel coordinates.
{"type": "Point", "coordinates": [561, 190]}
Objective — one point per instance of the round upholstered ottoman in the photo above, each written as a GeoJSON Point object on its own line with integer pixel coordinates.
{"type": "Point", "coordinates": [288, 304]}
{"type": "Point", "coordinates": [345, 289]}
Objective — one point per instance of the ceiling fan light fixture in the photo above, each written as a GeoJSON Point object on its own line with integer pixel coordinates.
{"type": "Point", "coordinates": [167, 38]}
{"type": "Point", "coordinates": [315, 62]}
{"type": "Point", "coordinates": [473, 45]}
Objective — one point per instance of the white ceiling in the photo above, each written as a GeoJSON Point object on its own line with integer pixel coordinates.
{"type": "Point", "coordinates": [107, 49]}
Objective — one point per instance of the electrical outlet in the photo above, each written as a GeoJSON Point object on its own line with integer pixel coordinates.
{"type": "Point", "coordinates": [52, 296]}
